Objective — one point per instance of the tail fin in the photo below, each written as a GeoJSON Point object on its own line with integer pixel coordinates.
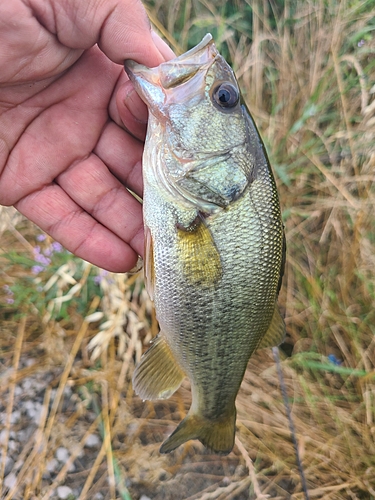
{"type": "Point", "coordinates": [216, 435]}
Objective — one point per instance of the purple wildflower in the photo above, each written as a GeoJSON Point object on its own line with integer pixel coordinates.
{"type": "Point", "coordinates": [37, 269]}
{"type": "Point", "coordinates": [48, 251]}
{"type": "Point", "coordinates": [10, 293]}
{"type": "Point", "coordinates": [100, 276]}
{"type": "Point", "coordinates": [42, 259]}
{"type": "Point", "coordinates": [41, 237]}
{"type": "Point", "coordinates": [39, 257]}
{"type": "Point", "coordinates": [57, 247]}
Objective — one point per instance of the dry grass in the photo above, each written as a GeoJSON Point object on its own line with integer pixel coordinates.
{"type": "Point", "coordinates": [307, 71]}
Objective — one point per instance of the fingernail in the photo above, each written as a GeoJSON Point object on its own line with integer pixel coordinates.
{"type": "Point", "coordinates": [136, 106]}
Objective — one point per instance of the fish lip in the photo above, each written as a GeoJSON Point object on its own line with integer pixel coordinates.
{"type": "Point", "coordinates": [136, 71]}
{"type": "Point", "coordinates": [206, 41]}
{"type": "Point", "coordinates": [146, 83]}
{"type": "Point", "coordinates": [132, 67]}
{"type": "Point", "coordinates": [151, 82]}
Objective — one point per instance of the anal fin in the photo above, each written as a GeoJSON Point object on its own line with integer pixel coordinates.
{"type": "Point", "coordinates": [157, 376]}
{"type": "Point", "coordinates": [276, 331]}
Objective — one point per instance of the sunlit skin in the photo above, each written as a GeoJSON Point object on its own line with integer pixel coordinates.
{"type": "Point", "coordinates": [66, 107]}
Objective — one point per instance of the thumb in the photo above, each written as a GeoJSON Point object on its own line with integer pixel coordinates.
{"type": "Point", "coordinates": [121, 28]}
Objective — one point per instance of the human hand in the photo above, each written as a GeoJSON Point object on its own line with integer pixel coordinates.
{"type": "Point", "coordinates": [65, 157]}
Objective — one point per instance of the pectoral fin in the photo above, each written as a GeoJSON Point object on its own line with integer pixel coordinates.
{"type": "Point", "coordinates": [157, 376]}
{"type": "Point", "coordinates": [276, 331]}
{"type": "Point", "coordinates": [199, 256]}
{"type": "Point", "coordinates": [149, 271]}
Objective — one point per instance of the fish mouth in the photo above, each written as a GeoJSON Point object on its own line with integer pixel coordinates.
{"type": "Point", "coordinates": [152, 84]}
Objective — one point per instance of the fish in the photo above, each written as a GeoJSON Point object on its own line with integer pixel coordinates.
{"type": "Point", "coordinates": [214, 241]}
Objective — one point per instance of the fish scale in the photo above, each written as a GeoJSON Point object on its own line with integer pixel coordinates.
{"type": "Point", "coordinates": [214, 241]}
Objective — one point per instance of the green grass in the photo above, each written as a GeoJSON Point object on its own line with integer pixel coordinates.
{"type": "Point", "coordinates": [307, 73]}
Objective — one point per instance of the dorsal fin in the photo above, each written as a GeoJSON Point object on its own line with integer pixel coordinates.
{"type": "Point", "coordinates": [276, 331]}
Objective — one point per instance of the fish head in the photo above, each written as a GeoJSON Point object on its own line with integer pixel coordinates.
{"type": "Point", "coordinates": [195, 101]}
{"type": "Point", "coordinates": [198, 75]}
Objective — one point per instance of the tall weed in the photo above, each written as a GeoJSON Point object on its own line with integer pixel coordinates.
{"type": "Point", "coordinates": [307, 73]}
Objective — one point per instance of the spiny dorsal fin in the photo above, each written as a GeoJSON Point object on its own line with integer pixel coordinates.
{"type": "Point", "coordinates": [276, 331]}
{"type": "Point", "coordinates": [157, 376]}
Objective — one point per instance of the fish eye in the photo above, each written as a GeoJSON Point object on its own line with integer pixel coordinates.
{"type": "Point", "coordinates": [226, 95]}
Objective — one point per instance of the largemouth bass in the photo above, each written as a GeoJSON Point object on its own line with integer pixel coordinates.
{"type": "Point", "coordinates": [215, 245]}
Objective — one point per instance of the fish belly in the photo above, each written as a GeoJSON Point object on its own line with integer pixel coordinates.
{"type": "Point", "coordinates": [212, 329]}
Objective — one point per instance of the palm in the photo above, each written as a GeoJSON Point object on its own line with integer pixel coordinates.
{"type": "Point", "coordinates": [63, 151]}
